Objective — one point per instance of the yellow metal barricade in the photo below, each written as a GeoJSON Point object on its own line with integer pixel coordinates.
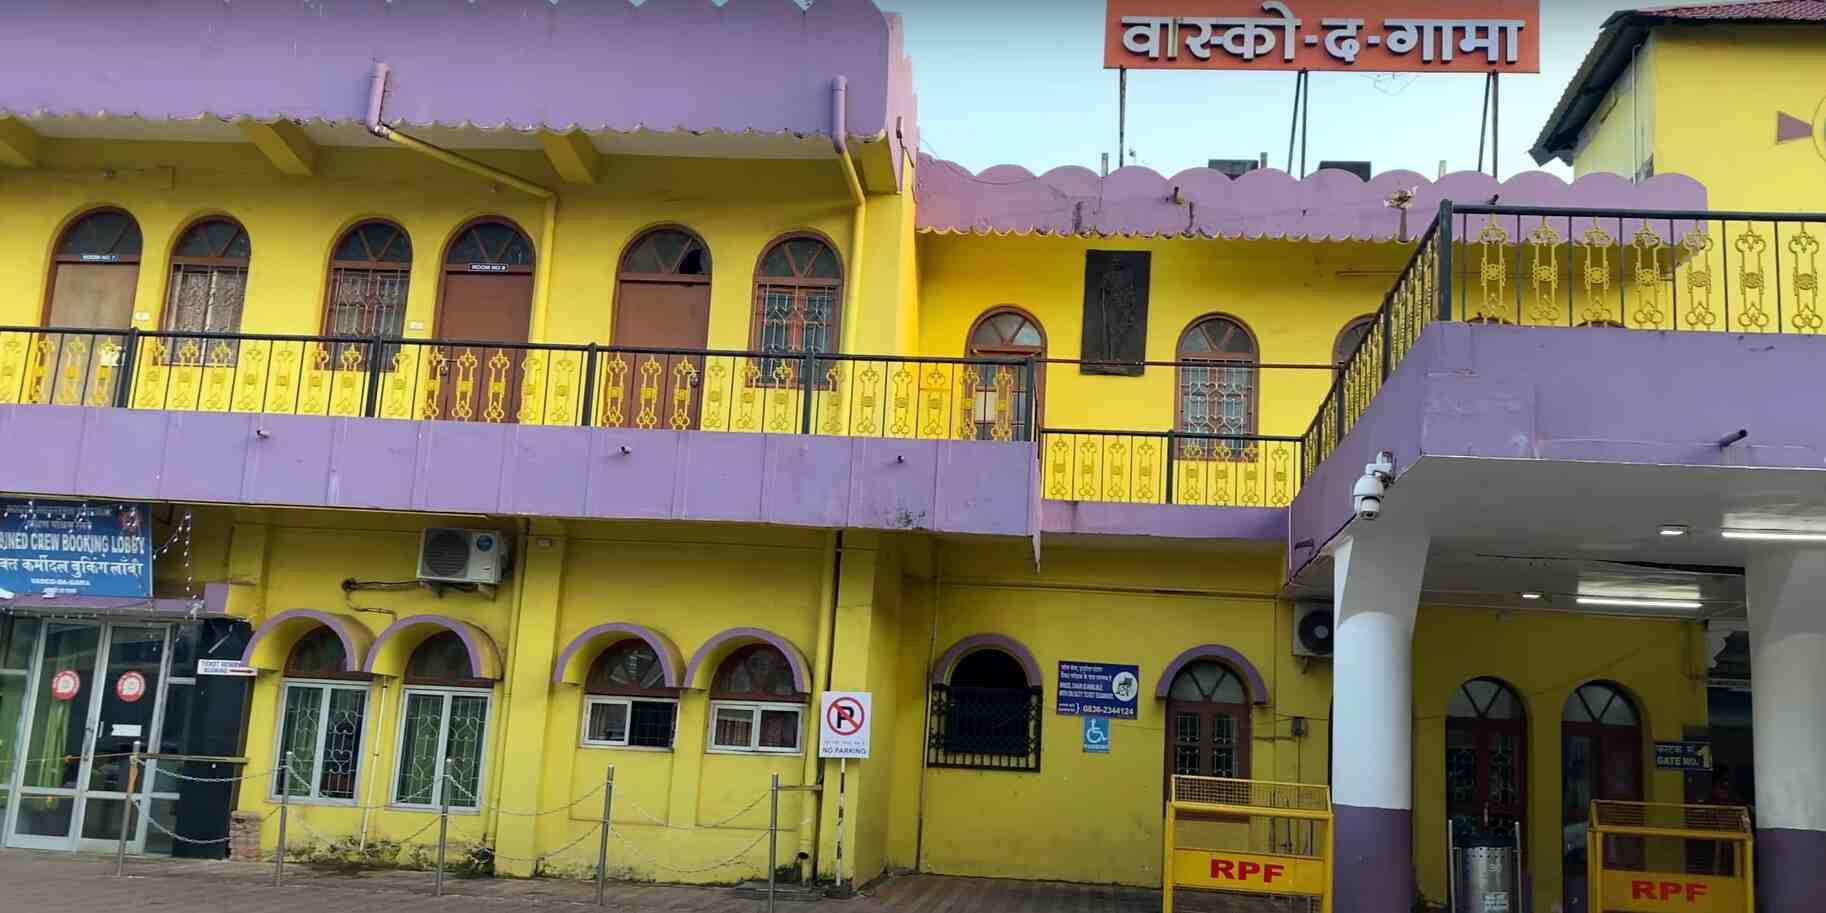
{"type": "Point", "coordinates": [1655, 858]}
{"type": "Point", "coordinates": [1268, 846]}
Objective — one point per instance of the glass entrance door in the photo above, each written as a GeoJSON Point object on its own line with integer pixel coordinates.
{"type": "Point", "coordinates": [96, 691]}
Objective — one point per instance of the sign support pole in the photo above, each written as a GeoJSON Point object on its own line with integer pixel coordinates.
{"type": "Point", "coordinates": [1305, 115]}
{"type": "Point", "coordinates": [1122, 117]}
{"type": "Point", "coordinates": [126, 813]}
{"type": "Point", "coordinates": [842, 769]}
{"type": "Point", "coordinates": [1293, 124]}
{"type": "Point", "coordinates": [1496, 121]}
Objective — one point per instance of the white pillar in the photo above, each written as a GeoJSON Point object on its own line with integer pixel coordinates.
{"type": "Point", "coordinates": [1787, 602]}
{"type": "Point", "coordinates": [1376, 595]}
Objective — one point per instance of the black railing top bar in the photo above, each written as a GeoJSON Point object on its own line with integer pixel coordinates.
{"type": "Point", "coordinates": [528, 346]}
{"type": "Point", "coordinates": [1192, 363]}
{"type": "Point", "coordinates": [1186, 435]}
{"type": "Point", "coordinates": [1699, 215]}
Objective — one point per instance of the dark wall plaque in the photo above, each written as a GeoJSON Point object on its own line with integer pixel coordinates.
{"type": "Point", "coordinates": [1115, 312]}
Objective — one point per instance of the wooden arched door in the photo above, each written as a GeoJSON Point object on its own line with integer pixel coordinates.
{"type": "Point", "coordinates": [94, 274]}
{"type": "Point", "coordinates": [662, 301]}
{"type": "Point", "coordinates": [486, 304]}
{"type": "Point", "coordinates": [1486, 758]}
{"type": "Point", "coordinates": [1007, 332]}
{"type": "Point", "coordinates": [1600, 759]}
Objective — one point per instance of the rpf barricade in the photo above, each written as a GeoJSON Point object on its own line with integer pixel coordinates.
{"type": "Point", "coordinates": [1661, 858]}
{"type": "Point", "coordinates": [1252, 839]}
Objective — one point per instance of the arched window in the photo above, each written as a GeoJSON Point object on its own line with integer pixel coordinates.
{"type": "Point", "coordinates": [1485, 756]}
{"type": "Point", "coordinates": [1216, 381]}
{"type": "Point", "coordinates": [95, 271]}
{"type": "Point", "coordinates": [1208, 722]}
{"type": "Point", "coordinates": [755, 705]}
{"type": "Point", "coordinates": [443, 727]}
{"type": "Point", "coordinates": [1600, 758]}
{"type": "Point", "coordinates": [626, 700]}
{"type": "Point", "coordinates": [370, 275]}
{"type": "Point", "coordinates": [986, 715]}
{"type": "Point", "coordinates": [208, 286]}
{"type": "Point", "coordinates": [1006, 332]}
{"type": "Point", "coordinates": [490, 242]}
{"type": "Point", "coordinates": [667, 255]}
{"type": "Point", "coordinates": [321, 722]}
{"type": "Point", "coordinates": [1350, 337]}
{"type": "Point", "coordinates": [798, 297]}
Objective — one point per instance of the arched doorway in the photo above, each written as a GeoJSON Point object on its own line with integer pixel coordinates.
{"type": "Point", "coordinates": [1006, 332]}
{"type": "Point", "coordinates": [1600, 759]}
{"type": "Point", "coordinates": [486, 298]}
{"type": "Point", "coordinates": [1207, 722]}
{"type": "Point", "coordinates": [662, 301]}
{"type": "Point", "coordinates": [1486, 757]}
{"type": "Point", "coordinates": [94, 274]}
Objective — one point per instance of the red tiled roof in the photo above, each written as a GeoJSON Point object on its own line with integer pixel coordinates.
{"type": "Point", "coordinates": [1778, 10]}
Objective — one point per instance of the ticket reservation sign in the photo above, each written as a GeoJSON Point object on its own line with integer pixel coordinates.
{"type": "Point", "coordinates": [1399, 36]}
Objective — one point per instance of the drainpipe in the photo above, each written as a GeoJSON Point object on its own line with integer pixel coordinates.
{"type": "Point", "coordinates": [812, 810]}
{"type": "Point", "coordinates": [548, 234]}
{"type": "Point", "coordinates": [840, 139]}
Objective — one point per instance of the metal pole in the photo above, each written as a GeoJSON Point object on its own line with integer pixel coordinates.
{"type": "Point", "coordinates": [1122, 117]}
{"type": "Point", "coordinates": [126, 812]}
{"type": "Point", "coordinates": [1293, 123]}
{"type": "Point", "coordinates": [129, 353]}
{"type": "Point", "coordinates": [371, 407]}
{"type": "Point", "coordinates": [602, 839]}
{"type": "Point", "coordinates": [1483, 129]}
{"type": "Point", "coordinates": [1305, 116]}
{"type": "Point", "coordinates": [584, 416]}
{"type": "Point", "coordinates": [1451, 868]}
{"type": "Point", "coordinates": [443, 827]}
{"type": "Point", "coordinates": [285, 793]}
{"type": "Point", "coordinates": [842, 769]}
{"type": "Point", "coordinates": [773, 840]}
{"type": "Point", "coordinates": [808, 366]}
{"type": "Point", "coordinates": [1496, 122]}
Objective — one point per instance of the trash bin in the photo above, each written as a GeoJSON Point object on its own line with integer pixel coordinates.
{"type": "Point", "coordinates": [1486, 869]}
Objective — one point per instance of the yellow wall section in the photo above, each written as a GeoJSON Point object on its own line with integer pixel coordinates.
{"type": "Point", "coordinates": [1721, 88]}
{"type": "Point", "coordinates": [1295, 296]}
{"type": "Point", "coordinates": [1620, 137]}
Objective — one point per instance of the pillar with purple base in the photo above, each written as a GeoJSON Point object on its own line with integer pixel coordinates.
{"type": "Point", "coordinates": [1787, 603]}
{"type": "Point", "coordinates": [1378, 569]}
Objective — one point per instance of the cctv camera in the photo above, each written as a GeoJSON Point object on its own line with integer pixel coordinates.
{"type": "Point", "coordinates": [1366, 497]}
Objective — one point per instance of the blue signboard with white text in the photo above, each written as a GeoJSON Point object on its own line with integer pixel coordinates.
{"type": "Point", "coordinates": [1099, 689]}
{"type": "Point", "coordinates": [70, 548]}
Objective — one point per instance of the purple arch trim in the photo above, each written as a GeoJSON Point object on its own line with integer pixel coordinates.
{"type": "Point", "coordinates": [1252, 677]}
{"type": "Point", "coordinates": [941, 670]}
{"type": "Point", "coordinates": [351, 649]}
{"type": "Point", "coordinates": [1266, 203]}
{"type": "Point", "coordinates": [802, 678]}
{"type": "Point", "coordinates": [484, 657]}
{"type": "Point", "coordinates": [669, 662]}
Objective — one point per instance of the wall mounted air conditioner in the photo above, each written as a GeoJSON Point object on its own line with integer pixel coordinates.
{"type": "Point", "coordinates": [1312, 629]}
{"type": "Point", "coordinates": [476, 556]}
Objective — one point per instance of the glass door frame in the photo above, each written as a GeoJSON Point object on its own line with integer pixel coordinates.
{"type": "Point", "coordinates": [82, 792]}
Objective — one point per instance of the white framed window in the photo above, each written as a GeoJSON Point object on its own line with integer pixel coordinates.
{"type": "Point", "coordinates": [753, 726]}
{"type": "Point", "coordinates": [320, 739]}
{"type": "Point", "coordinates": [443, 743]}
{"type": "Point", "coordinates": [629, 722]}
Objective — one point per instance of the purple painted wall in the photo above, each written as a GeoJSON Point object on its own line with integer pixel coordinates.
{"type": "Point", "coordinates": [1163, 521]}
{"type": "Point", "coordinates": [1333, 205]}
{"type": "Point", "coordinates": [1585, 394]}
{"type": "Point", "coordinates": [598, 65]}
{"type": "Point", "coordinates": [980, 487]}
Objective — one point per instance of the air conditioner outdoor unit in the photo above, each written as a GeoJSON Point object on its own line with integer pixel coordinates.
{"type": "Point", "coordinates": [1312, 629]}
{"type": "Point", "coordinates": [462, 556]}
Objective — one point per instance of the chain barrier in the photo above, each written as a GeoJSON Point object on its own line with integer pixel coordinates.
{"type": "Point", "coordinates": [139, 806]}
{"type": "Point", "coordinates": [714, 825]}
{"type": "Point", "coordinates": [637, 854]}
{"type": "Point", "coordinates": [540, 859]}
{"type": "Point", "coordinates": [167, 772]}
{"type": "Point", "coordinates": [597, 790]}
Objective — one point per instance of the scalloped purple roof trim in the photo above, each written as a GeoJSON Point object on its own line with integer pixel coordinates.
{"type": "Point", "coordinates": [1326, 206]}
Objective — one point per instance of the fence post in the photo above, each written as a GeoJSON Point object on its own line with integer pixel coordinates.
{"type": "Point", "coordinates": [602, 839]}
{"type": "Point", "coordinates": [443, 826]}
{"type": "Point", "coordinates": [1445, 260]}
{"type": "Point", "coordinates": [773, 839]}
{"type": "Point", "coordinates": [129, 351]}
{"type": "Point", "coordinates": [1172, 457]}
{"type": "Point", "coordinates": [371, 406]}
{"type": "Point", "coordinates": [586, 418]}
{"type": "Point", "coordinates": [1388, 335]}
{"type": "Point", "coordinates": [126, 812]}
{"type": "Point", "coordinates": [807, 369]}
{"type": "Point", "coordinates": [842, 777]}
{"type": "Point", "coordinates": [285, 792]}
{"type": "Point", "coordinates": [1033, 398]}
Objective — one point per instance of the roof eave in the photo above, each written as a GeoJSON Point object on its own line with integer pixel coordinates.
{"type": "Point", "coordinates": [1600, 69]}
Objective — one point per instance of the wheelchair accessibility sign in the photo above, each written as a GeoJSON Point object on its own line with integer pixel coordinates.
{"type": "Point", "coordinates": [1096, 735]}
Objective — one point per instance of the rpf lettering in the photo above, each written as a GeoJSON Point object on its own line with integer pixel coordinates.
{"type": "Point", "coordinates": [1666, 890]}
{"type": "Point", "coordinates": [1242, 870]}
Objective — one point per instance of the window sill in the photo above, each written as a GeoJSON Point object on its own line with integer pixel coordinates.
{"type": "Point", "coordinates": [760, 752]}
{"type": "Point", "coordinates": [431, 809]}
{"type": "Point", "coordinates": [604, 746]}
{"type": "Point", "coordinates": [317, 802]}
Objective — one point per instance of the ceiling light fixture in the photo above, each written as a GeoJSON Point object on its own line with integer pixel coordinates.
{"type": "Point", "coordinates": [1531, 595]}
{"type": "Point", "coordinates": [1674, 529]}
{"type": "Point", "coordinates": [1622, 602]}
{"type": "Point", "coordinates": [1773, 535]}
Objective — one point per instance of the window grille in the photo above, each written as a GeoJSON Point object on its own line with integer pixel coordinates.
{"type": "Point", "coordinates": [985, 728]}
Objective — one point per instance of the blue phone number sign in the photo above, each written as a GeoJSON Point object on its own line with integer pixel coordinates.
{"type": "Point", "coordinates": [1099, 689]}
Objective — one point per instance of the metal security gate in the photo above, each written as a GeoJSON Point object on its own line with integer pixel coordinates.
{"type": "Point", "coordinates": [1657, 858]}
{"type": "Point", "coordinates": [1266, 846]}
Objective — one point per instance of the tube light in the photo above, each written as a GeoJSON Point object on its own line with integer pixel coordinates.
{"type": "Point", "coordinates": [1773, 535]}
{"type": "Point", "coordinates": [1639, 603]}
{"type": "Point", "coordinates": [1674, 529]}
{"type": "Point", "coordinates": [1531, 595]}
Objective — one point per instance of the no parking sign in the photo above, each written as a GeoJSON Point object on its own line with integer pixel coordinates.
{"type": "Point", "coordinates": [843, 724]}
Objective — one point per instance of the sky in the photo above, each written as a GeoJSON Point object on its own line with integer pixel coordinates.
{"type": "Point", "coordinates": [1022, 82]}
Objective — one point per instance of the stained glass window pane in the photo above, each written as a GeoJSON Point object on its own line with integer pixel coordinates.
{"type": "Point", "coordinates": [644, 258]}
{"type": "Point", "coordinates": [1575, 711]}
{"type": "Point", "coordinates": [442, 656]}
{"type": "Point", "coordinates": [319, 652]}
{"type": "Point", "coordinates": [1460, 706]}
{"type": "Point", "coordinates": [1184, 688]}
{"type": "Point", "coordinates": [628, 665]}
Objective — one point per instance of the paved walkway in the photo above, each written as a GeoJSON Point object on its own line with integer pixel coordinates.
{"type": "Point", "coordinates": [65, 883]}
